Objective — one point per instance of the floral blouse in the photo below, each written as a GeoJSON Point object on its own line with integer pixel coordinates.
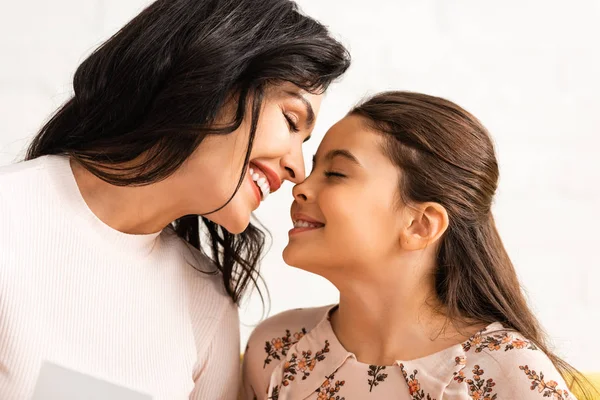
{"type": "Point", "coordinates": [296, 356]}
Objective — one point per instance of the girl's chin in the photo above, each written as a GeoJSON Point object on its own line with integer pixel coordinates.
{"type": "Point", "coordinates": [294, 257]}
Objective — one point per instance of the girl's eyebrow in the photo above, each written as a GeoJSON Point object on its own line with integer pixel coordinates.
{"type": "Point", "coordinates": [346, 154]}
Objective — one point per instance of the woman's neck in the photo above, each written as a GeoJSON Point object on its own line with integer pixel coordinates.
{"type": "Point", "coordinates": [128, 209]}
{"type": "Point", "coordinates": [394, 320]}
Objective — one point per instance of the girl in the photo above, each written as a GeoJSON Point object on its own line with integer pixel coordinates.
{"type": "Point", "coordinates": [397, 215]}
{"type": "Point", "coordinates": [195, 107]}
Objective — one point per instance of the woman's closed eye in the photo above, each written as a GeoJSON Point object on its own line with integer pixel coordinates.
{"type": "Point", "coordinates": [292, 124]}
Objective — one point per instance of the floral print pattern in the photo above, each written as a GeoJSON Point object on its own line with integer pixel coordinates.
{"type": "Point", "coordinates": [377, 376]}
{"type": "Point", "coordinates": [329, 389]}
{"type": "Point", "coordinates": [311, 364]}
{"type": "Point", "coordinates": [460, 361]}
{"type": "Point", "coordinates": [274, 394]}
{"type": "Point", "coordinates": [278, 347]}
{"type": "Point", "coordinates": [547, 389]}
{"type": "Point", "coordinates": [302, 365]}
{"type": "Point", "coordinates": [479, 388]}
{"type": "Point", "coordinates": [496, 342]}
{"type": "Point", "coordinates": [414, 386]}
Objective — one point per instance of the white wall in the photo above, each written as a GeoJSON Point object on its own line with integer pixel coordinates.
{"type": "Point", "coordinates": [528, 69]}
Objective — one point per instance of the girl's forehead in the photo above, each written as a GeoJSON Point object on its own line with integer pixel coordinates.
{"type": "Point", "coordinates": [350, 131]}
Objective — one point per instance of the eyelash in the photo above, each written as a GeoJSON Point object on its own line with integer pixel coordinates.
{"type": "Point", "coordinates": [332, 174]}
{"type": "Point", "coordinates": [292, 125]}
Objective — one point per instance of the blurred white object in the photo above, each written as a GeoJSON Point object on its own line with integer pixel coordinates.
{"type": "Point", "coordinates": [56, 382]}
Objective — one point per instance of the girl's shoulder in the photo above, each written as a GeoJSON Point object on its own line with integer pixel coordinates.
{"type": "Point", "coordinates": [270, 342]}
{"type": "Point", "coordinates": [279, 332]}
{"type": "Point", "coordinates": [503, 361]}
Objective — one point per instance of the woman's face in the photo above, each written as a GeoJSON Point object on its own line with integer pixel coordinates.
{"type": "Point", "coordinates": [210, 176]}
{"type": "Point", "coordinates": [346, 213]}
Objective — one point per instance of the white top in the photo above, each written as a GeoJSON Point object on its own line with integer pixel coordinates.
{"type": "Point", "coordinates": [133, 310]}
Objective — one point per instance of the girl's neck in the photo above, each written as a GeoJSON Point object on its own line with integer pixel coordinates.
{"type": "Point", "coordinates": [381, 325]}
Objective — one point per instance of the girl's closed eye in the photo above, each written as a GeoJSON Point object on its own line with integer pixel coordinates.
{"type": "Point", "coordinates": [334, 174]}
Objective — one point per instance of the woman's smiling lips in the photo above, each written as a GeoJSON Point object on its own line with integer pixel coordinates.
{"type": "Point", "coordinates": [272, 177]}
{"type": "Point", "coordinates": [264, 180]}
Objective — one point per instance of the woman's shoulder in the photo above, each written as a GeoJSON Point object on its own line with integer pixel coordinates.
{"type": "Point", "coordinates": [22, 172]}
{"type": "Point", "coordinates": [508, 363]}
{"type": "Point", "coordinates": [23, 186]}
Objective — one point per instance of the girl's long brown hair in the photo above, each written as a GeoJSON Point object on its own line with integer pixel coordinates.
{"type": "Point", "coordinates": [447, 156]}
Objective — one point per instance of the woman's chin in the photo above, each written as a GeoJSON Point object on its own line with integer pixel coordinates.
{"type": "Point", "coordinates": [232, 224]}
{"type": "Point", "coordinates": [237, 227]}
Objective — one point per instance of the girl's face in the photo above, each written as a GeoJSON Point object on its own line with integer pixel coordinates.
{"type": "Point", "coordinates": [210, 176]}
{"type": "Point", "coordinates": [346, 213]}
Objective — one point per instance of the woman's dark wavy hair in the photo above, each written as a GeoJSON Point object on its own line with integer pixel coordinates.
{"type": "Point", "coordinates": [156, 87]}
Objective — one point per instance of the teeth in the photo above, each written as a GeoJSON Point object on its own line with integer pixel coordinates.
{"type": "Point", "coordinates": [261, 182]}
{"type": "Point", "coordinates": [265, 191]}
{"type": "Point", "coordinates": [304, 224]}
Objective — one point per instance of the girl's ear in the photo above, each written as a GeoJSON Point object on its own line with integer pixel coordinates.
{"type": "Point", "coordinates": [423, 225]}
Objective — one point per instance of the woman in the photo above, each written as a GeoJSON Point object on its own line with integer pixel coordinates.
{"type": "Point", "coordinates": [195, 107]}
{"type": "Point", "coordinates": [397, 215]}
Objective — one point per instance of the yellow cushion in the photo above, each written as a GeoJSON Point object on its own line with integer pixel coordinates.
{"type": "Point", "coordinates": [594, 379]}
